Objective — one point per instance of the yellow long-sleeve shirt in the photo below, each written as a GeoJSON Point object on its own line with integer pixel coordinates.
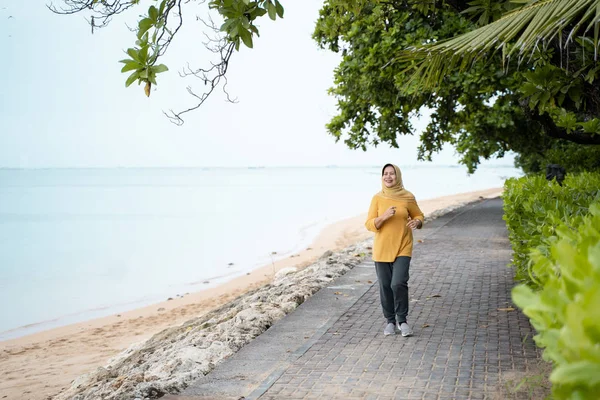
{"type": "Point", "coordinates": [393, 238]}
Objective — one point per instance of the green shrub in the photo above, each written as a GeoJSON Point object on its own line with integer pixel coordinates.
{"type": "Point", "coordinates": [565, 311]}
{"type": "Point", "coordinates": [534, 208]}
{"type": "Point", "coordinates": [555, 235]}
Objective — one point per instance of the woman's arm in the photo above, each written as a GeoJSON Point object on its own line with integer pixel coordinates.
{"type": "Point", "coordinates": [374, 221]}
{"type": "Point", "coordinates": [416, 216]}
{"type": "Point", "coordinates": [386, 215]}
{"type": "Point", "coordinates": [372, 216]}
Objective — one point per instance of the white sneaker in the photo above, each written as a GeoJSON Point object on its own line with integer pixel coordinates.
{"type": "Point", "coordinates": [389, 329]}
{"type": "Point", "coordinates": [405, 329]}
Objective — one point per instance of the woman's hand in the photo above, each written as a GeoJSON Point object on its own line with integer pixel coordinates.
{"type": "Point", "coordinates": [414, 223]}
{"type": "Point", "coordinates": [389, 213]}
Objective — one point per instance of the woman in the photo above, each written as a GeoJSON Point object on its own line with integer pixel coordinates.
{"type": "Point", "coordinates": [393, 215]}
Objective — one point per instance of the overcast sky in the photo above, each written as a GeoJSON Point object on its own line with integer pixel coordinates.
{"type": "Point", "coordinates": [64, 101]}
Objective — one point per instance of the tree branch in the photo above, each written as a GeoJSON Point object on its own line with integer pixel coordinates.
{"type": "Point", "coordinates": [101, 11]}
{"type": "Point", "coordinates": [211, 77]}
{"type": "Point", "coordinates": [555, 132]}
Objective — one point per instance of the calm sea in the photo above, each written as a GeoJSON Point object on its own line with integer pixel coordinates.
{"type": "Point", "coordinates": [76, 244]}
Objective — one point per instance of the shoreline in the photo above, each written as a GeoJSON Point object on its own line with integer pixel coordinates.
{"type": "Point", "coordinates": [39, 365]}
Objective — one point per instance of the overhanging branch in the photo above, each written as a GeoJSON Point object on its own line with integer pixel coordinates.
{"type": "Point", "coordinates": [211, 77]}
{"type": "Point", "coordinates": [556, 132]}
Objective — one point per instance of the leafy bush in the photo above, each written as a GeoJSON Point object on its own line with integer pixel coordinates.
{"type": "Point", "coordinates": [534, 208]}
{"type": "Point", "coordinates": [566, 310]}
{"type": "Point", "coordinates": [555, 236]}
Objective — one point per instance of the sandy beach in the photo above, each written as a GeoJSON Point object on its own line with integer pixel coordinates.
{"type": "Point", "coordinates": [41, 365]}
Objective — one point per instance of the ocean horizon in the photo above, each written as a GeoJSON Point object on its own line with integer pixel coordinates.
{"type": "Point", "coordinates": [82, 243]}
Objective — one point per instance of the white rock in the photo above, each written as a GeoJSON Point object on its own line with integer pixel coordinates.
{"type": "Point", "coordinates": [282, 275]}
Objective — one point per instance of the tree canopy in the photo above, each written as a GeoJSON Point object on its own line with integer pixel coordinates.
{"type": "Point", "coordinates": [401, 57]}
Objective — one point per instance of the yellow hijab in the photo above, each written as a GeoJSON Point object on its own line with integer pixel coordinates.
{"type": "Point", "coordinates": [396, 192]}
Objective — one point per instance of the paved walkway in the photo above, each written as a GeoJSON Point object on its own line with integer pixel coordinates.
{"type": "Point", "coordinates": [332, 347]}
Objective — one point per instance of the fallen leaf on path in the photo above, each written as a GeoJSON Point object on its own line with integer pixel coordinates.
{"type": "Point", "coordinates": [507, 309]}
{"type": "Point", "coordinates": [337, 292]}
{"type": "Point", "coordinates": [419, 241]}
{"type": "Point", "coordinates": [425, 326]}
{"type": "Point", "coordinates": [369, 281]}
{"type": "Point", "coordinates": [436, 295]}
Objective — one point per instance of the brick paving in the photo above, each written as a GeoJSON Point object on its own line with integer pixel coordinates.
{"type": "Point", "coordinates": [464, 334]}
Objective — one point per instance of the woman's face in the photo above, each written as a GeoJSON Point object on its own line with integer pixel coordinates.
{"type": "Point", "coordinates": [389, 176]}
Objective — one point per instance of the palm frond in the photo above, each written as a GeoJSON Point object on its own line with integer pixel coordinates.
{"type": "Point", "coordinates": [524, 28]}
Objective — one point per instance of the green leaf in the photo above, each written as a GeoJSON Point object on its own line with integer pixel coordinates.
{"type": "Point", "coordinates": [133, 53]}
{"type": "Point", "coordinates": [132, 78]}
{"type": "Point", "coordinates": [153, 13]}
{"type": "Point", "coordinates": [591, 126]}
{"type": "Point", "coordinates": [523, 296]}
{"type": "Point", "coordinates": [259, 12]}
{"type": "Point", "coordinates": [235, 29]}
{"type": "Point", "coordinates": [157, 69]}
{"type": "Point", "coordinates": [227, 24]}
{"type": "Point", "coordinates": [152, 77]}
{"type": "Point", "coordinates": [272, 10]}
{"type": "Point", "coordinates": [279, 8]}
{"type": "Point", "coordinates": [143, 55]}
{"type": "Point", "coordinates": [246, 37]}
{"type": "Point", "coordinates": [245, 22]}
{"type": "Point", "coordinates": [143, 26]}
{"type": "Point", "coordinates": [131, 65]}
{"type": "Point", "coordinates": [567, 120]}
{"type": "Point", "coordinates": [578, 373]}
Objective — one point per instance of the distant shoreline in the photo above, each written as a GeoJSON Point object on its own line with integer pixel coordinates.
{"type": "Point", "coordinates": [250, 167]}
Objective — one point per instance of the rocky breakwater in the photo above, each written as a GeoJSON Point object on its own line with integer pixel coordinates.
{"type": "Point", "coordinates": [170, 360]}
